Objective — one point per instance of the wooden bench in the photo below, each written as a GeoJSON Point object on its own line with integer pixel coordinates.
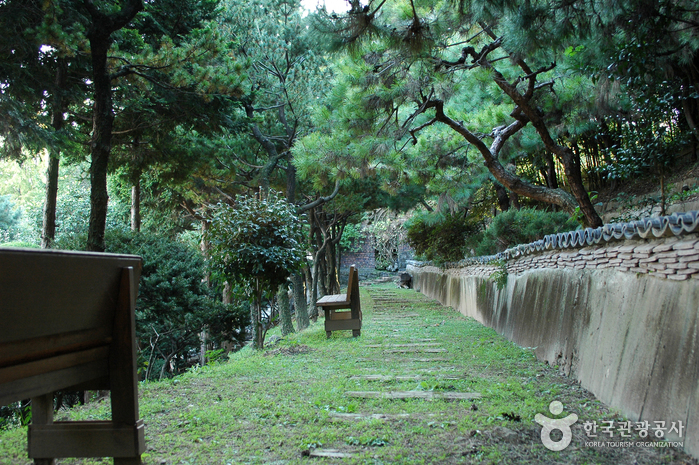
{"type": "Point", "coordinates": [67, 323]}
{"type": "Point", "coordinates": [339, 321]}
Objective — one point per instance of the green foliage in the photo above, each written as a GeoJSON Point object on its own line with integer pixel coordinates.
{"type": "Point", "coordinates": [500, 275]}
{"type": "Point", "coordinates": [21, 244]}
{"type": "Point", "coordinates": [520, 227]}
{"type": "Point", "coordinates": [256, 240]}
{"type": "Point", "coordinates": [15, 414]}
{"type": "Point", "coordinates": [441, 238]}
{"type": "Point", "coordinates": [9, 217]}
{"type": "Point", "coordinates": [651, 138]}
{"type": "Point", "coordinates": [73, 210]}
{"type": "Point", "coordinates": [352, 238]}
{"type": "Point", "coordinates": [174, 305]}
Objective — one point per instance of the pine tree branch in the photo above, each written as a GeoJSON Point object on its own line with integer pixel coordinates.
{"type": "Point", "coordinates": [320, 200]}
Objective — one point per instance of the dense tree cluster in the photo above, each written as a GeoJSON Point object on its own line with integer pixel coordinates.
{"type": "Point", "coordinates": [156, 117]}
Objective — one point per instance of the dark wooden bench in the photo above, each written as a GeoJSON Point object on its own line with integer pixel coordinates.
{"type": "Point", "coordinates": [67, 323]}
{"type": "Point", "coordinates": [345, 320]}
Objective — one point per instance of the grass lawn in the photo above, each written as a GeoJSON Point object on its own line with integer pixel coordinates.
{"type": "Point", "coordinates": [385, 397]}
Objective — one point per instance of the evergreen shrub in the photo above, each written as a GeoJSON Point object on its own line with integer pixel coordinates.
{"type": "Point", "coordinates": [523, 226]}
{"type": "Point", "coordinates": [174, 304]}
{"type": "Point", "coordinates": [441, 238]}
{"type": "Point", "coordinates": [444, 238]}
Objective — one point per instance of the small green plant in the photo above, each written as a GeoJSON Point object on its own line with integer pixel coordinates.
{"type": "Point", "coordinates": [366, 442]}
{"type": "Point", "coordinates": [427, 386]}
{"type": "Point", "coordinates": [500, 275]}
{"type": "Point", "coordinates": [257, 242]}
{"type": "Point", "coordinates": [216, 356]}
{"type": "Point", "coordinates": [683, 195]}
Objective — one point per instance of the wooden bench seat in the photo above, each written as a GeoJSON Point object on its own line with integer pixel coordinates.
{"type": "Point", "coordinates": [68, 323]}
{"type": "Point", "coordinates": [346, 320]}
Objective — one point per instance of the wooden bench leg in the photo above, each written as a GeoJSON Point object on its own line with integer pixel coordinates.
{"type": "Point", "coordinates": [42, 414]}
{"type": "Point", "coordinates": [328, 333]}
{"type": "Point", "coordinates": [356, 332]}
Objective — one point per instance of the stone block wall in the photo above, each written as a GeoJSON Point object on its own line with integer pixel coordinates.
{"type": "Point", "coordinates": [673, 258]}
{"type": "Point", "coordinates": [363, 259]}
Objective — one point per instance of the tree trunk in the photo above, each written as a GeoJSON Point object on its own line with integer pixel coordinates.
{"type": "Point", "coordinates": [662, 192]}
{"type": "Point", "coordinates": [526, 112]}
{"type": "Point", "coordinates": [551, 178]}
{"type": "Point", "coordinates": [48, 230]}
{"type": "Point", "coordinates": [204, 247]}
{"type": "Point", "coordinates": [300, 301]}
{"type": "Point", "coordinates": [136, 205]}
{"type": "Point", "coordinates": [203, 336]}
{"type": "Point", "coordinates": [254, 322]}
{"type": "Point", "coordinates": [332, 285]}
{"type": "Point", "coordinates": [256, 318]}
{"type": "Point", "coordinates": [509, 180]}
{"type": "Point", "coordinates": [226, 296]}
{"type": "Point", "coordinates": [308, 280]}
{"type": "Point", "coordinates": [503, 198]}
{"type": "Point", "coordinates": [285, 310]}
{"type": "Point", "coordinates": [314, 293]}
{"type": "Point", "coordinates": [100, 145]}
{"type": "Point", "coordinates": [100, 39]}
{"type": "Point", "coordinates": [571, 165]}
{"type": "Point", "coordinates": [290, 179]}
{"type": "Point", "coordinates": [514, 197]}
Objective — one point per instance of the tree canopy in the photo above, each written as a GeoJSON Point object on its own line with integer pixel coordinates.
{"type": "Point", "coordinates": [186, 112]}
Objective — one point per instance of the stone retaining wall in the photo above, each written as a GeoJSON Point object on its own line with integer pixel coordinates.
{"type": "Point", "coordinates": [622, 317]}
{"type": "Point", "coordinates": [672, 258]}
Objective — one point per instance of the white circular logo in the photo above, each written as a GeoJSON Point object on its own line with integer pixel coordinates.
{"type": "Point", "coordinates": [550, 424]}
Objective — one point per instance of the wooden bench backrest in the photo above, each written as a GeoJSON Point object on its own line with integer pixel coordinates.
{"type": "Point", "coordinates": [352, 282]}
{"type": "Point", "coordinates": [58, 315]}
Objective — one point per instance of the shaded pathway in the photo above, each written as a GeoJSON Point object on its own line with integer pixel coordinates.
{"type": "Point", "coordinates": [482, 389]}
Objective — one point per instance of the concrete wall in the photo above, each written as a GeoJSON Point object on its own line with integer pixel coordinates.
{"type": "Point", "coordinates": [622, 318]}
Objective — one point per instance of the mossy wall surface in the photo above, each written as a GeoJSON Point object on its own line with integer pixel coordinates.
{"type": "Point", "coordinates": [631, 338]}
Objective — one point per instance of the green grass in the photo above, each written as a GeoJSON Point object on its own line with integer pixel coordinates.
{"type": "Point", "coordinates": [276, 405]}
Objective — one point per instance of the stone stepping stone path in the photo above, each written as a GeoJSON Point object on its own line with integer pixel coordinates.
{"type": "Point", "coordinates": [391, 314]}
{"type": "Point", "coordinates": [398, 315]}
{"type": "Point", "coordinates": [402, 378]}
{"type": "Point", "coordinates": [411, 344]}
{"type": "Point", "coordinates": [420, 360]}
{"type": "Point", "coordinates": [330, 453]}
{"type": "Point", "coordinates": [431, 395]}
{"type": "Point", "coordinates": [410, 350]}
{"type": "Point", "coordinates": [436, 369]}
{"type": "Point", "coordinates": [337, 416]}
